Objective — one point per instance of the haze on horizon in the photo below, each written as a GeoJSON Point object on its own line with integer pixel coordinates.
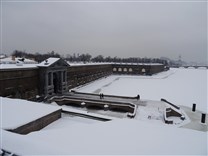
{"type": "Point", "coordinates": [123, 29]}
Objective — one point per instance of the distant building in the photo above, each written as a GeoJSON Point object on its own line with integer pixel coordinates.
{"type": "Point", "coordinates": [15, 60]}
{"type": "Point", "coordinates": [2, 56]}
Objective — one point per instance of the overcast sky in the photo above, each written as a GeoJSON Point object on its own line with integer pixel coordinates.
{"type": "Point", "coordinates": [123, 29]}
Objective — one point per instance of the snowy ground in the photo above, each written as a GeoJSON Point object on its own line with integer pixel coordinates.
{"type": "Point", "coordinates": [179, 86]}
{"type": "Point", "coordinates": [120, 137]}
{"type": "Point", "coordinates": [68, 121]}
{"type": "Point", "coordinates": [16, 112]}
{"type": "Point", "coordinates": [77, 136]}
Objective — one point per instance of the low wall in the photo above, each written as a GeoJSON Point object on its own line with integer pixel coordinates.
{"type": "Point", "coordinates": [98, 95]}
{"type": "Point", "coordinates": [86, 116]}
{"type": "Point", "coordinates": [38, 124]}
{"type": "Point", "coordinates": [169, 113]}
{"type": "Point", "coordinates": [91, 103]}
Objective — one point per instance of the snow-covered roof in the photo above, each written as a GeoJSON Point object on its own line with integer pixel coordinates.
{"type": "Point", "coordinates": [109, 63]}
{"type": "Point", "coordinates": [48, 62]}
{"type": "Point", "coordinates": [2, 56]}
{"type": "Point", "coordinates": [9, 60]}
{"type": "Point", "coordinates": [14, 66]}
{"type": "Point", "coordinates": [87, 64]}
{"type": "Point", "coordinates": [44, 63]}
{"type": "Point", "coordinates": [152, 64]}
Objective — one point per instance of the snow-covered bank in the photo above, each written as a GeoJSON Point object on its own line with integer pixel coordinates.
{"type": "Point", "coordinates": [16, 112]}
{"type": "Point", "coordinates": [122, 137]}
{"type": "Point", "coordinates": [180, 86]}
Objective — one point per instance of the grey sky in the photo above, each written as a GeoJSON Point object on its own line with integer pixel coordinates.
{"type": "Point", "coordinates": [123, 29]}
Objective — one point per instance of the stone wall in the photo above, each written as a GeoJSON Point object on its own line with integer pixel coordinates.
{"type": "Point", "coordinates": [19, 83]}
{"type": "Point", "coordinates": [38, 124]}
{"type": "Point", "coordinates": [137, 69]}
{"type": "Point", "coordinates": [79, 75]}
{"type": "Point", "coordinates": [26, 83]}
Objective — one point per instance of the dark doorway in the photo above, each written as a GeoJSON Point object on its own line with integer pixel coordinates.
{"type": "Point", "coordinates": [55, 82]}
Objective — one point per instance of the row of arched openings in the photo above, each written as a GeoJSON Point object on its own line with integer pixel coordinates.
{"type": "Point", "coordinates": [122, 69]}
{"type": "Point", "coordinates": [127, 70]}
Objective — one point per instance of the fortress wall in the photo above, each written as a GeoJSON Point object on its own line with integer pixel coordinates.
{"type": "Point", "coordinates": [137, 69]}
{"type": "Point", "coordinates": [19, 83]}
{"type": "Point", "coordinates": [79, 75]}
{"type": "Point", "coordinates": [24, 83]}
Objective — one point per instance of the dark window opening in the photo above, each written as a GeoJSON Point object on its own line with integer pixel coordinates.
{"type": "Point", "coordinates": [64, 76]}
{"type": "Point", "coordinates": [49, 79]}
{"type": "Point", "coordinates": [55, 82]}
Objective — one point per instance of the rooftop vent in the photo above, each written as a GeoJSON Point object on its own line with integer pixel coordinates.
{"type": "Point", "coordinates": [46, 62]}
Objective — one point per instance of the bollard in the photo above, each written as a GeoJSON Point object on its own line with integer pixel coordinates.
{"type": "Point", "coordinates": [203, 118]}
{"type": "Point", "coordinates": [138, 97]}
{"type": "Point", "coordinates": [83, 104]}
{"type": "Point", "coordinates": [194, 107]}
{"type": "Point", "coordinates": [106, 107]}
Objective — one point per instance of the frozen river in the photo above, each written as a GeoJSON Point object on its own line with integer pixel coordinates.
{"type": "Point", "coordinates": [179, 86]}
